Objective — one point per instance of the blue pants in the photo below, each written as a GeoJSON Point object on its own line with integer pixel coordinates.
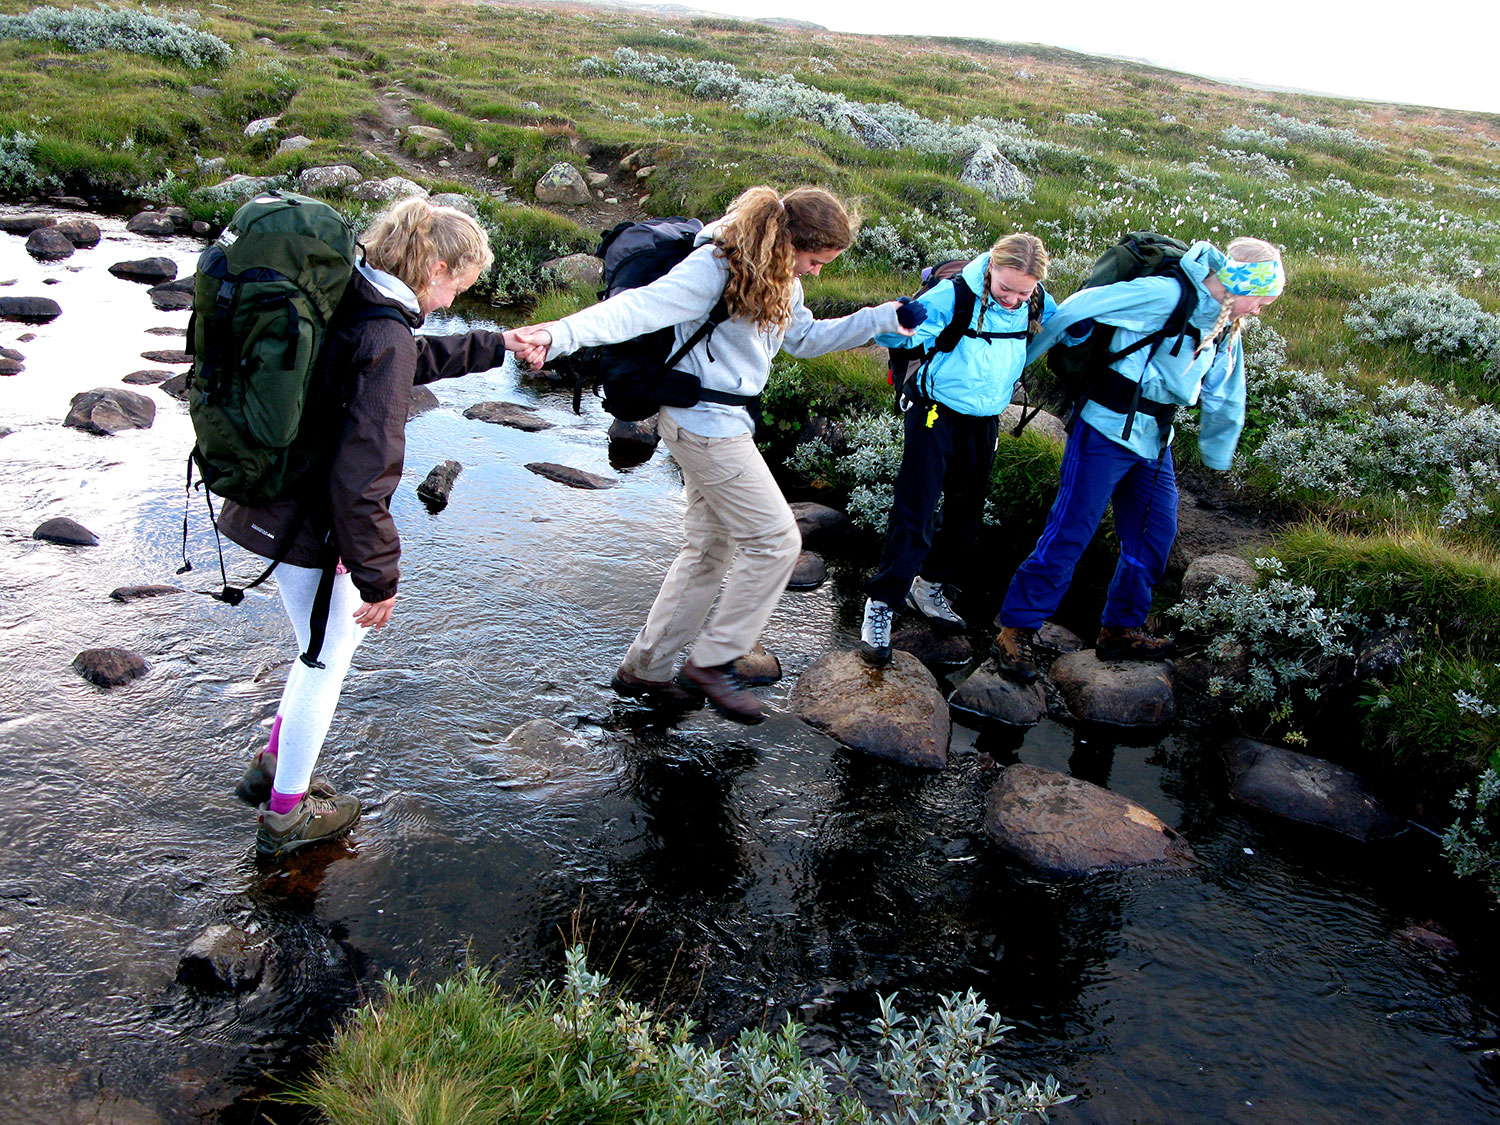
{"type": "Point", "coordinates": [952, 459]}
{"type": "Point", "coordinates": [1095, 473]}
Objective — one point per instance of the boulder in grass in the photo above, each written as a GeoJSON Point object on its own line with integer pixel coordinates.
{"type": "Point", "coordinates": [994, 175]}
{"type": "Point", "coordinates": [894, 712]}
{"type": "Point", "coordinates": [150, 270]}
{"type": "Point", "coordinates": [29, 310]}
{"type": "Point", "coordinates": [566, 474]}
{"type": "Point", "coordinates": [1059, 825]}
{"type": "Point", "coordinates": [110, 667]}
{"type": "Point", "coordinates": [458, 201]}
{"type": "Point", "coordinates": [137, 593]}
{"type": "Point", "coordinates": [1129, 694]}
{"type": "Point", "coordinates": [1305, 789]}
{"type": "Point", "coordinates": [987, 694]}
{"type": "Point", "coordinates": [326, 178]}
{"type": "Point", "coordinates": [563, 184]}
{"type": "Point", "coordinates": [1050, 426]}
{"type": "Point", "coordinates": [575, 269]}
{"type": "Point", "coordinates": [71, 533]}
{"type": "Point", "coordinates": [758, 666]}
{"type": "Point", "coordinates": [25, 224]}
{"type": "Point", "coordinates": [49, 244]}
{"type": "Point", "coordinates": [437, 486]}
{"type": "Point", "coordinates": [1205, 570]}
{"type": "Point", "coordinates": [82, 233]}
{"type": "Point", "coordinates": [386, 190]}
{"type": "Point", "coordinates": [108, 410]}
{"type": "Point", "coordinates": [262, 125]}
{"type": "Point", "coordinates": [152, 223]}
{"type": "Point", "coordinates": [511, 414]}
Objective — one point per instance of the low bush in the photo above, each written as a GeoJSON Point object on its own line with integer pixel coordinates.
{"type": "Point", "coordinates": [1437, 715]}
{"type": "Point", "coordinates": [1436, 320]}
{"type": "Point", "coordinates": [105, 29]}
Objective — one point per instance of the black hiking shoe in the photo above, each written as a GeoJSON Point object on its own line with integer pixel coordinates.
{"type": "Point", "coordinates": [1014, 651]}
{"type": "Point", "coordinates": [315, 820]}
{"type": "Point", "coordinates": [1132, 644]}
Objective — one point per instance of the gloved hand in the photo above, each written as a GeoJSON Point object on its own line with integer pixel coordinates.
{"type": "Point", "coordinates": [910, 312]}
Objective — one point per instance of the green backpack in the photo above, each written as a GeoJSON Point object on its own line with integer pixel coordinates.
{"type": "Point", "coordinates": [264, 294]}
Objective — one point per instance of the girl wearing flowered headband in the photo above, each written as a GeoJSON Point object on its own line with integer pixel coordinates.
{"type": "Point", "coordinates": [1119, 440]}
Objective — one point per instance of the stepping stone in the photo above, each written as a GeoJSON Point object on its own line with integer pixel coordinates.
{"type": "Point", "coordinates": [153, 270]}
{"type": "Point", "coordinates": [642, 434]}
{"type": "Point", "coordinates": [895, 712]}
{"type": "Point", "coordinates": [758, 666]}
{"type": "Point", "coordinates": [29, 310]}
{"type": "Point", "coordinates": [566, 474]}
{"type": "Point", "coordinates": [108, 410]}
{"type": "Point", "coordinates": [1305, 789]}
{"type": "Point", "coordinates": [422, 400]}
{"type": "Point", "coordinates": [988, 694]}
{"type": "Point", "coordinates": [511, 414]}
{"type": "Point", "coordinates": [70, 533]}
{"type": "Point", "coordinates": [137, 593]}
{"type": "Point", "coordinates": [1115, 693]}
{"type": "Point", "coordinates": [438, 485]}
{"type": "Point", "coordinates": [809, 573]}
{"type": "Point", "coordinates": [110, 667]}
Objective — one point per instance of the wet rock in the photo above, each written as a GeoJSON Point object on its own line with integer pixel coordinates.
{"type": "Point", "coordinates": [1205, 570]}
{"type": "Point", "coordinates": [138, 593]}
{"type": "Point", "coordinates": [642, 434]}
{"type": "Point", "coordinates": [438, 485]}
{"type": "Point", "coordinates": [990, 695]}
{"type": "Point", "coordinates": [422, 400]}
{"type": "Point", "coordinates": [153, 270]}
{"type": "Point", "coordinates": [575, 269]}
{"type": "Point", "coordinates": [1048, 425]}
{"type": "Point", "coordinates": [1059, 825]}
{"type": "Point", "coordinates": [562, 184]}
{"type": "Point", "coordinates": [167, 355]}
{"type": "Point", "coordinates": [177, 386]}
{"type": "Point", "coordinates": [1429, 937]}
{"type": "Point", "coordinates": [152, 223]}
{"type": "Point", "coordinates": [932, 648]}
{"type": "Point", "coordinates": [566, 474]}
{"type": "Point", "coordinates": [82, 233]}
{"type": "Point", "coordinates": [511, 414]}
{"type": "Point", "coordinates": [1224, 658]}
{"type": "Point", "coordinates": [25, 224]}
{"type": "Point", "coordinates": [819, 524]}
{"type": "Point", "coordinates": [10, 366]}
{"type": "Point", "coordinates": [223, 958]}
{"type": "Point", "coordinates": [809, 573]}
{"type": "Point", "coordinates": [1384, 652]}
{"type": "Point", "coordinates": [165, 299]}
{"type": "Point", "coordinates": [147, 378]}
{"type": "Point", "coordinates": [60, 529]}
{"type": "Point", "coordinates": [29, 310]}
{"type": "Point", "coordinates": [49, 245]}
{"type": "Point", "coordinates": [1118, 694]}
{"type": "Point", "coordinates": [1055, 639]}
{"type": "Point", "coordinates": [327, 178]}
{"type": "Point", "coordinates": [758, 666]}
{"type": "Point", "coordinates": [457, 200]}
{"type": "Point", "coordinates": [1305, 789]}
{"type": "Point", "coordinates": [386, 190]}
{"type": "Point", "coordinates": [894, 712]}
{"type": "Point", "coordinates": [994, 175]}
{"type": "Point", "coordinates": [166, 330]}
{"type": "Point", "coordinates": [11, 353]}
{"type": "Point", "coordinates": [108, 410]}
{"type": "Point", "coordinates": [542, 751]}
{"type": "Point", "coordinates": [110, 667]}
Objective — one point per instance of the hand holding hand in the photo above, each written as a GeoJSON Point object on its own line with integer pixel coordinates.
{"type": "Point", "coordinates": [530, 343]}
{"type": "Point", "coordinates": [910, 313]}
{"type": "Point", "coordinates": [374, 615]}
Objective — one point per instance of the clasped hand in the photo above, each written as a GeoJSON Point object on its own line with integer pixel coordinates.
{"type": "Point", "coordinates": [530, 343]}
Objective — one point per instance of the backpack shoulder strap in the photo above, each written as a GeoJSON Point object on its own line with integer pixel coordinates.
{"type": "Point", "coordinates": [958, 325]}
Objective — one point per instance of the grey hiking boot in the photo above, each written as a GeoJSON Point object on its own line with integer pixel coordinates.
{"type": "Point", "coordinates": [254, 785]}
{"type": "Point", "coordinates": [1132, 644]}
{"type": "Point", "coordinates": [1015, 652]}
{"type": "Point", "coordinates": [929, 599]}
{"type": "Point", "coordinates": [875, 633]}
{"type": "Point", "coordinates": [315, 820]}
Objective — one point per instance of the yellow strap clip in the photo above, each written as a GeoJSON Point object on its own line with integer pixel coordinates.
{"type": "Point", "coordinates": [932, 416]}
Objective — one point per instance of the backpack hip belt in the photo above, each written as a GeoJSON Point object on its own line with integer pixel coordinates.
{"type": "Point", "coordinates": [1116, 392]}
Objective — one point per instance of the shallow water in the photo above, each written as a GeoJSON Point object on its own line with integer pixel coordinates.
{"type": "Point", "coordinates": [763, 870]}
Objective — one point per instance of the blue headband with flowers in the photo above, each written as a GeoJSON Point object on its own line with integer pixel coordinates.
{"type": "Point", "coordinates": [1253, 279]}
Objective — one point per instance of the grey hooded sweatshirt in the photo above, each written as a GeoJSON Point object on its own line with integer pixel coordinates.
{"type": "Point", "coordinates": [737, 358]}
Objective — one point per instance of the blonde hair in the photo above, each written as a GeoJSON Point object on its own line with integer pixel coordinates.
{"type": "Point", "coordinates": [1023, 252]}
{"type": "Point", "coordinates": [1240, 250]}
{"type": "Point", "coordinates": [761, 235]}
{"type": "Point", "coordinates": [412, 236]}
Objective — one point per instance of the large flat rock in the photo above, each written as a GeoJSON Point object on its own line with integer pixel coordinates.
{"type": "Point", "coordinates": [895, 712]}
{"type": "Point", "coordinates": [1121, 693]}
{"type": "Point", "coordinates": [1306, 789]}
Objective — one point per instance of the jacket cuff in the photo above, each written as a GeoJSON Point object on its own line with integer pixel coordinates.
{"type": "Point", "coordinates": [378, 595]}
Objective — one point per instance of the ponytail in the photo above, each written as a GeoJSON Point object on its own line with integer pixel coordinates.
{"type": "Point", "coordinates": [410, 237]}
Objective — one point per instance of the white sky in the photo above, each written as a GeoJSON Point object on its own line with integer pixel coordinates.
{"type": "Point", "coordinates": [1434, 52]}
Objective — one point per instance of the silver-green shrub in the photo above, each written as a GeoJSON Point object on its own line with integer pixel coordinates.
{"type": "Point", "coordinates": [1471, 842]}
{"type": "Point", "coordinates": [19, 174]}
{"type": "Point", "coordinates": [1434, 319]}
{"type": "Point", "coordinates": [910, 240]}
{"type": "Point", "coordinates": [1311, 133]}
{"type": "Point", "coordinates": [105, 29]}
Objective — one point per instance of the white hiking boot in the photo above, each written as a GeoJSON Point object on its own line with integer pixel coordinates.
{"type": "Point", "coordinates": [928, 599]}
{"type": "Point", "coordinates": [875, 632]}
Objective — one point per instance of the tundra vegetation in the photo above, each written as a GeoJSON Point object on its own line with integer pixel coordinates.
{"type": "Point", "coordinates": [1372, 434]}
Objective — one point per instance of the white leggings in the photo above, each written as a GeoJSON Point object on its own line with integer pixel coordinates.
{"type": "Point", "coordinates": [312, 694]}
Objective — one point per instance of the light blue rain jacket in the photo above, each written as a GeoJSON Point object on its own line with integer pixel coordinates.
{"type": "Point", "coordinates": [1215, 379]}
{"type": "Point", "coordinates": [977, 377]}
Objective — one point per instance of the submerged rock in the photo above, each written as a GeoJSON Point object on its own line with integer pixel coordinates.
{"type": "Point", "coordinates": [137, 593]}
{"type": "Point", "coordinates": [1305, 789]}
{"type": "Point", "coordinates": [542, 752]}
{"type": "Point", "coordinates": [512, 414]}
{"type": "Point", "coordinates": [990, 695]}
{"type": "Point", "coordinates": [1060, 825]}
{"type": "Point", "coordinates": [758, 666]}
{"type": "Point", "coordinates": [223, 958]}
{"type": "Point", "coordinates": [110, 667]}
{"type": "Point", "coordinates": [60, 529]}
{"type": "Point", "coordinates": [1115, 693]}
{"type": "Point", "coordinates": [438, 485]}
{"type": "Point", "coordinates": [108, 410]}
{"type": "Point", "coordinates": [894, 712]}
{"type": "Point", "coordinates": [566, 474]}
{"type": "Point", "coordinates": [809, 573]}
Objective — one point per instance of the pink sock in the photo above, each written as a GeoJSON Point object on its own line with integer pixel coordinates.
{"type": "Point", "coordinates": [275, 738]}
{"type": "Point", "coordinates": [283, 803]}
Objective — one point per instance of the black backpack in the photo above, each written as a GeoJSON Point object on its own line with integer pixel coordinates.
{"type": "Point", "coordinates": [908, 366]}
{"type": "Point", "coordinates": [1085, 372]}
{"type": "Point", "coordinates": [638, 376]}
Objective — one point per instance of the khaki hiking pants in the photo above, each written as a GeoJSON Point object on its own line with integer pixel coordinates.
{"type": "Point", "coordinates": [737, 522]}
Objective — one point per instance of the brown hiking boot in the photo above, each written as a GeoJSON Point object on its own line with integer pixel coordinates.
{"type": "Point", "coordinates": [254, 785]}
{"type": "Point", "coordinates": [1015, 652]}
{"type": "Point", "coordinates": [1132, 644]}
{"type": "Point", "coordinates": [725, 693]}
{"type": "Point", "coordinates": [315, 820]}
{"type": "Point", "coordinates": [665, 694]}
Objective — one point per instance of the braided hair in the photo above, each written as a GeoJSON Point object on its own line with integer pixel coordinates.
{"type": "Point", "coordinates": [1240, 250]}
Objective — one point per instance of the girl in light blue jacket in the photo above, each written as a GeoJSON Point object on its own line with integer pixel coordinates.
{"type": "Point", "coordinates": [1118, 448]}
{"type": "Point", "coordinates": [953, 405]}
